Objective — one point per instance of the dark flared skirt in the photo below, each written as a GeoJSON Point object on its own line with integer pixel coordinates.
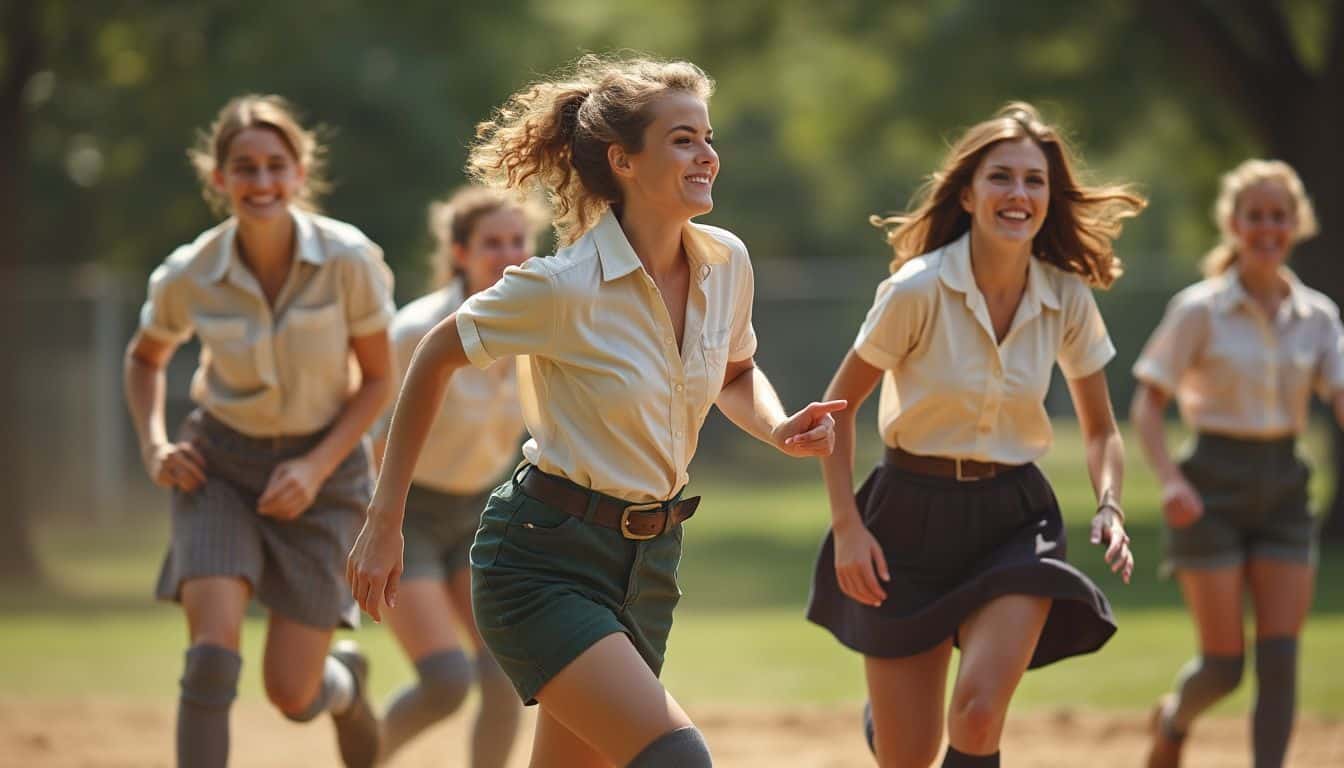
{"type": "Point", "coordinates": [952, 547]}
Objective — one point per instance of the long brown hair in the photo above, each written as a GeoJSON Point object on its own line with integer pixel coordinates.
{"type": "Point", "coordinates": [453, 220]}
{"type": "Point", "coordinates": [272, 113]}
{"type": "Point", "coordinates": [554, 134]}
{"type": "Point", "coordinates": [1080, 223]}
{"type": "Point", "coordinates": [1222, 256]}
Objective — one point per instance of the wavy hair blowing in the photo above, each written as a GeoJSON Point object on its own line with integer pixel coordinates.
{"type": "Point", "coordinates": [553, 135]}
{"type": "Point", "coordinates": [1081, 221]}
{"type": "Point", "coordinates": [453, 220]}
{"type": "Point", "coordinates": [1249, 173]}
{"type": "Point", "coordinates": [272, 113]}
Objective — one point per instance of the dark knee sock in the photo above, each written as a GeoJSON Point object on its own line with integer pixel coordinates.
{"type": "Point", "coordinates": [496, 725]}
{"type": "Point", "coordinates": [955, 759]}
{"type": "Point", "coordinates": [443, 680]}
{"type": "Point", "coordinates": [209, 684]}
{"type": "Point", "coordinates": [1275, 699]}
{"type": "Point", "coordinates": [1202, 682]}
{"type": "Point", "coordinates": [335, 694]}
{"type": "Point", "coordinates": [682, 748]}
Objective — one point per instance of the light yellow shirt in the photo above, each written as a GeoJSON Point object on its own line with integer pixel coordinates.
{"type": "Point", "coordinates": [475, 438]}
{"type": "Point", "coordinates": [950, 390]}
{"type": "Point", "coordinates": [609, 399]}
{"type": "Point", "coordinates": [264, 372]}
{"type": "Point", "coordinates": [1236, 371]}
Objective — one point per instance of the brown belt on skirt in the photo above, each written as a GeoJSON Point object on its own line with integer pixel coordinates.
{"type": "Point", "coordinates": [964, 470]}
{"type": "Point", "coordinates": [637, 522]}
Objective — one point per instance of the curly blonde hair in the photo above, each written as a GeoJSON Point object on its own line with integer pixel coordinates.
{"type": "Point", "coordinates": [554, 134]}
{"type": "Point", "coordinates": [1081, 221]}
{"type": "Point", "coordinates": [1249, 173]}
{"type": "Point", "coordinates": [272, 113]}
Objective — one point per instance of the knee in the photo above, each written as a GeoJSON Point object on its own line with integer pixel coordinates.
{"type": "Point", "coordinates": [445, 679]}
{"type": "Point", "coordinates": [294, 701]}
{"type": "Point", "coordinates": [976, 718]}
{"type": "Point", "coordinates": [210, 676]}
{"type": "Point", "coordinates": [680, 748]}
{"type": "Point", "coordinates": [1222, 673]}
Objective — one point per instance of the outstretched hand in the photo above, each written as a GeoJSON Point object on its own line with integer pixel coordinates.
{"type": "Point", "coordinates": [1108, 529]}
{"type": "Point", "coordinates": [809, 432]}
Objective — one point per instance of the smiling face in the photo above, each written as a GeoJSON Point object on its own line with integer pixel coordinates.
{"type": "Point", "coordinates": [259, 176]}
{"type": "Point", "coordinates": [1263, 225]}
{"type": "Point", "coordinates": [498, 240]}
{"type": "Point", "coordinates": [675, 171]}
{"type": "Point", "coordinates": [1009, 194]}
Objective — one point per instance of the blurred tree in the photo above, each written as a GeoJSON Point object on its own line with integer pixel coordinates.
{"type": "Point", "coordinates": [1284, 76]}
{"type": "Point", "coordinates": [19, 57]}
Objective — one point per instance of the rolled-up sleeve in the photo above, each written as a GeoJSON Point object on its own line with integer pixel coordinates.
{"type": "Point", "coordinates": [369, 306]}
{"type": "Point", "coordinates": [1172, 348]}
{"type": "Point", "coordinates": [515, 316]}
{"type": "Point", "coordinates": [165, 316]}
{"type": "Point", "coordinates": [893, 325]}
{"type": "Point", "coordinates": [1086, 346]}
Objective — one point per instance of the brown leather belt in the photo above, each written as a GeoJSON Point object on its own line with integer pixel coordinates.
{"type": "Point", "coordinates": [637, 522]}
{"type": "Point", "coordinates": [939, 466]}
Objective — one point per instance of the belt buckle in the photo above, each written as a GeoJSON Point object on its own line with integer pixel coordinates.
{"type": "Point", "coordinates": [625, 521]}
{"type": "Point", "coordinates": [964, 478]}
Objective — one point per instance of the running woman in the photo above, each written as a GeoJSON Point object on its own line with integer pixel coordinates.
{"type": "Point", "coordinates": [269, 475]}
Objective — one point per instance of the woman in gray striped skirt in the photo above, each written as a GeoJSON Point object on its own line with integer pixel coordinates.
{"type": "Point", "coordinates": [1241, 352]}
{"type": "Point", "coordinates": [270, 475]}
{"type": "Point", "coordinates": [471, 446]}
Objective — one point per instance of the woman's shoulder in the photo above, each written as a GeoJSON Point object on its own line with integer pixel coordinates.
{"type": "Point", "coordinates": [917, 277]}
{"type": "Point", "coordinates": [203, 258]}
{"type": "Point", "coordinates": [340, 241]}
{"type": "Point", "coordinates": [427, 311]}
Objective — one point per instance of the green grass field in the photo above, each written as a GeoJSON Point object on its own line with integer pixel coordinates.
{"type": "Point", "coordinates": [740, 637]}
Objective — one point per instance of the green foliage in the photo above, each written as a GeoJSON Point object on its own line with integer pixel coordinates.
{"type": "Point", "coordinates": [825, 112]}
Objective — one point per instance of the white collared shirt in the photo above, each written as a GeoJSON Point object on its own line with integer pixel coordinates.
{"type": "Point", "coordinates": [610, 401]}
{"type": "Point", "coordinates": [1236, 371]}
{"type": "Point", "coordinates": [949, 389]}
{"type": "Point", "coordinates": [475, 438]}
{"type": "Point", "coordinates": [263, 372]}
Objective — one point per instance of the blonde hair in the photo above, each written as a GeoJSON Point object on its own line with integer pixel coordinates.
{"type": "Point", "coordinates": [1249, 173]}
{"type": "Point", "coordinates": [554, 134]}
{"type": "Point", "coordinates": [452, 221]}
{"type": "Point", "coordinates": [272, 113]}
{"type": "Point", "coordinates": [1080, 223]}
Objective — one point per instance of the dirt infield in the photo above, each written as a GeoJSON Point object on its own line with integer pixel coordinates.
{"type": "Point", "coordinates": [111, 733]}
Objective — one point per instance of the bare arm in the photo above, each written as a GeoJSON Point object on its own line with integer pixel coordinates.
{"type": "Point", "coordinates": [749, 400]}
{"type": "Point", "coordinates": [1106, 467]}
{"type": "Point", "coordinates": [1181, 504]}
{"type": "Point", "coordinates": [374, 566]}
{"type": "Point", "coordinates": [859, 561]}
{"type": "Point", "coordinates": [169, 464]}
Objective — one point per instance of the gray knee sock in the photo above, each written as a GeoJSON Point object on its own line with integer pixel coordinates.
{"type": "Point", "coordinates": [955, 759]}
{"type": "Point", "coordinates": [335, 695]}
{"type": "Point", "coordinates": [1275, 699]}
{"type": "Point", "coordinates": [209, 683]}
{"type": "Point", "coordinates": [496, 725]}
{"type": "Point", "coordinates": [443, 681]}
{"type": "Point", "coordinates": [1202, 682]}
{"type": "Point", "coordinates": [682, 748]}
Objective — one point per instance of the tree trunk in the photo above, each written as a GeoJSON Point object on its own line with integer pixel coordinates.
{"type": "Point", "coordinates": [17, 556]}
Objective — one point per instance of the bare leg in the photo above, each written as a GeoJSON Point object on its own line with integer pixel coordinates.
{"type": "Point", "coordinates": [1282, 593]}
{"type": "Point", "coordinates": [907, 695]}
{"type": "Point", "coordinates": [496, 725]}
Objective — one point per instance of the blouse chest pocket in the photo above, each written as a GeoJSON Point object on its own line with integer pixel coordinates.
{"type": "Point", "coordinates": [714, 356]}
{"type": "Point", "coordinates": [317, 336]}
{"type": "Point", "coordinates": [224, 338]}
{"type": "Point", "coordinates": [715, 346]}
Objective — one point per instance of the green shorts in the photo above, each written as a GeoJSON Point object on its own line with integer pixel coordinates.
{"type": "Point", "coordinates": [438, 529]}
{"type": "Point", "coordinates": [1255, 505]}
{"type": "Point", "coordinates": [546, 586]}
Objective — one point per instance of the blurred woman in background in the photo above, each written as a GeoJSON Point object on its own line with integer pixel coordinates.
{"type": "Point", "coordinates": [470, 447]}
{"type": "Point", "coordinates": [956, 538]}
{"type": "Point", "coordinates": [270, 474]}
{"type": "Point", "coordinates": [1241, 352]}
